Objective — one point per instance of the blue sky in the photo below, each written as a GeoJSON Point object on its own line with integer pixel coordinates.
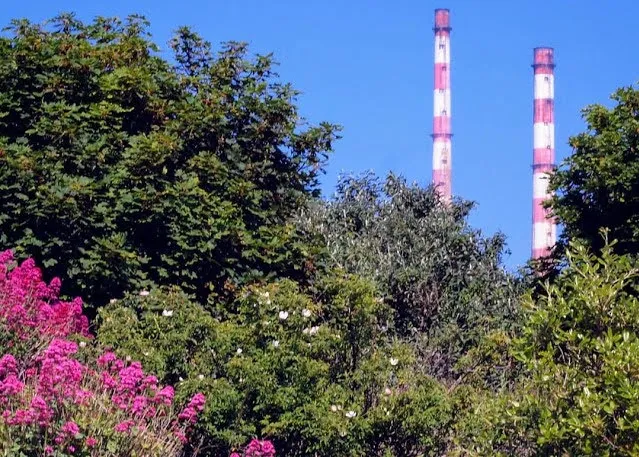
{"type": "Point", "coordinates": [367, 65]}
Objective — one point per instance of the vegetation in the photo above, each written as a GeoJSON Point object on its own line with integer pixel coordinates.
{"type": "Point", "coordinates": [443, 280]}
{"type": "Point", "coordinates": [233, 312]}
{"type": "Point", "coordinates": [316, 374]}
{"type": "Point", "coordinates": [119, 170]}
{"type": "Point", "coordinates": [598, 184]}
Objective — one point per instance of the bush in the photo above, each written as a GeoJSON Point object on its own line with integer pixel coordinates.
{"type": "Point", "coordinates": [580, 350]}
{"type": "Point", "coordinates": [57, 398]}
{"type": "Point", "coordinates": [317, 374]}
{"type": "Point", "coordinates": [443, 279]}
{"type": "Point", "coordinates": [119, 169]}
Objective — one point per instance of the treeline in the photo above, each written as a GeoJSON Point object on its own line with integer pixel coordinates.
{"type": "Point", "coordinates": [179, 198]}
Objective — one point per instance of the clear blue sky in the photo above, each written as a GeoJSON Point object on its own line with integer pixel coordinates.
{"type": "Point", "coordinates": [367, 64]}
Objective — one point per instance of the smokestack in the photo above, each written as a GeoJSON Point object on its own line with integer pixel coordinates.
{"type": "Point", "coordinates": [544, 228]}
{"type": "Point", "coordinates": [442, 135]}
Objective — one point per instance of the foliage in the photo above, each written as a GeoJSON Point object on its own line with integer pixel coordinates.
{"type": "Point", "coordinates": [316, 373]}
{"type": "Point", "coordinates": [442, 278]}
{"type": "Point", "coordinates": [119, 169]}
{"type": "Point", "coordinates": [580, 349]}
{"type": "Point", "coordinates": [57, 398]}
{"type": "Point", "coordinates": [598, 184]}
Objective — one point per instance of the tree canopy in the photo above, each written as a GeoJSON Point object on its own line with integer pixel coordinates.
{"type": "Point", "coordinates": [597, 186]}
{"type": "Point", "coordinates": [120, 168]}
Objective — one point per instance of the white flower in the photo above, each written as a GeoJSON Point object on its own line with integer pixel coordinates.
{"type": "Point", "coordinates": [283, 315]}
{"type": "Point", "coordinates": [200, 376]}
{"type": "Point", "coordinates": [306, 330]}
{"type": "Point", "coordinates": [128, 358]}
{"type": "Point", "coordinates": [267, 302]}
{"type": "Point", "coordinates": [83, 344]}
{"type": "Point", "coordinates": [333, 408]}
{"type": "Point", "coordinates": [145, 354]}
{"type": "Point", "coordinates": [113, 300]}
{"type": "Point", "coordinates": [394, 361]}
{"type": "Point", "coordinates": [167, 312]}
{"type": "Point", "coordinates": [181, 379]}
{"type": "Point", "coordinates": [144, 293]}
{"type": "Point", "coordinates": [313, 330]}
{"type": "Point", "coordinates": [387, 391]}
{"type": "Point", "coordinates": [351, 414]}
{"type": "Point", "coordinates": [276, 343]}
{"type": "Point", "coordinates": [239, 350]}
{"type": "Point", "coordinates": [306, 312]}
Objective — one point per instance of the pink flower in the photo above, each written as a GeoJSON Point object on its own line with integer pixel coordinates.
{"type": "Point", "coordinates": [71, 429]}
{"type": "Point", "coordinates": [257, 448]}
{"type": "Point", "coordinates": [165, 396]}
{"type": "Point", "coordinates": [124, 426]}
{"type": "Point", "coordinates": [234, 454]}
{"type": "Point", "coordinates": [91, 442]}
{"type": "Point", "coordinates": [189, 414]}
{"type": "Point", "coordinates": [10, 386]}
{"type": "Point", "coordinates": [8, 365]}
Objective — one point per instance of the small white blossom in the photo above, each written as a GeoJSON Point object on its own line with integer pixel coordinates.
{"type": "Point", "coordinates": [351, 414]}
{"type": "Point", "coordinates": [333, 408]}
{"type": "Point", "coordinates": [313, 330]}
{"type": "Point", "coordinates": [144, 293]}
{"type": "Point", "coordinates": [394, 361]}
{"type": "Point", "coordinates": [128, 358]}
{"type": "Point", "coordinates": [181, 379]}
{"type": "Point", "coordinates": [283, 315]}
{"type": "Point", "coordinates": [113, 300]}
{"type": "Point", "coordinates": [276, 343]}
{"type": "Point", "coordinates": [200, 376]}
{"type": "Point", "coordinates": [83, 344]}
{"type": "Point", "coordinates": [387, 391]}
{"type": "Point", "coordinates": [145, 354]}
{"type": "Point", "coordinates": [167, 312]}
{"type": "Point", "coordinates": [306, 330]}
{"type": "Point", "coordinates": [267, 302]}
{"type": "Point", "coordinates": [239, 350]}
{"type": "Point", "coordinates": [306, 312]}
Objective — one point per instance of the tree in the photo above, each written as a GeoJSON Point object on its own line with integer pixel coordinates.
{"type": "Point", "coordinates": [443, 279]}
{"type": "Point", "coordinates": [119, 169]}
{"type": "Point", "coordinates": [579, 347]}
{"type": "Point", "coordinates": [598, 185]}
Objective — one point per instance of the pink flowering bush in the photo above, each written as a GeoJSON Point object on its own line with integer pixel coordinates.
{"type": "Point", "coordinates": [58, 398]}
{"type": "Point", "coordinates": [257, 448]}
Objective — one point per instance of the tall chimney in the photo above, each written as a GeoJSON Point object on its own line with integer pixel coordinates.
{"type": "Point", "coordinates": [544, 228]}
{"type": "Point", "coordinates": [441, 103]}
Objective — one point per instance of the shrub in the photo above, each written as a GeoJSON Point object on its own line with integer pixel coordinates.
{"type": "Point", "coordinates": [443, 279]}
{"type": "Point", "coordinates": [57, 398]}
{"type": "Point", "coordinates": [316, 374]}
{"type": "Point", "coordinates": [119, 168]}
{"type": "Point", "coordinates": [579, 347]}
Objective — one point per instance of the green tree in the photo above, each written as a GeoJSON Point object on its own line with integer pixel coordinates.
{"type": "Point", "coordinates": [598, 184]}
{"type": "Point", "coordinates": [443, 279]}
{"type": "Point", "coordinates": [580, 350]}
{"type": "Point", "coordinates": [120, 169]}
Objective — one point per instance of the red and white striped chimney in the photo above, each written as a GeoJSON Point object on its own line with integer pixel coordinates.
{"type": "Point", "coordinates": [441, 103]}
{"type": "Point", "coordinates": [544, 228]}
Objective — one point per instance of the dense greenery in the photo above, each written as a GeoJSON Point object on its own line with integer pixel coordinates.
{"type": "Point", "coordinates": [442, 278]}
{"type": "Point", "coordinates": [179, 196]}
{"type": "Point", "coordinates": [580, 350]}
{"type": "Point", "coordinates": [598, 184]}
{"type": "Point", "coordinates": [119, 169]}
{"type": "Point", "coordinates": [316, 374]}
